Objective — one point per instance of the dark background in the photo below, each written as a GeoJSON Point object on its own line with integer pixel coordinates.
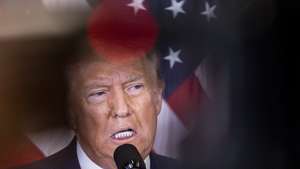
{"type": "Point", "coordinates": [262, 130]}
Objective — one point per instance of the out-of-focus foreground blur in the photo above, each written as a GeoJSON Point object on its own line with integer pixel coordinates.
{"type": "Point", "coordinates": [243, 73]}
{"type": "Point", "coordinates": [35, 36]}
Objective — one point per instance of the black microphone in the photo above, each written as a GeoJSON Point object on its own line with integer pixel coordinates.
{"type": "Point", "coordinates": [127, 157]}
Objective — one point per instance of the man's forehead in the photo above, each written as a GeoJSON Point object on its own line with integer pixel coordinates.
{"type": "Point", "coordinates": [108, 80]}
{"type": "Point", "coordinates": [107, 66]}
{"type": "Point", "coordinates": [102, 70]}
{"type": "Point", "coordinates": [92, 69]}
{"type": "Point", "coordinates": [130, 77]}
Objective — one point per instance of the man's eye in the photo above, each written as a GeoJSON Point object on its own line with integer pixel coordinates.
{"type": "Point", "coordinates": [135, 89]}
{"type": "Point", "coordinates": [97, 96]}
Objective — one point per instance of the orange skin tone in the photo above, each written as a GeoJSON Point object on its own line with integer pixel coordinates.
{"type": "Point", "coordinates": [107, 97]}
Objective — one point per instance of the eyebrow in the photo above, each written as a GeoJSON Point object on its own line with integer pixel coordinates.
{"type": "Point", "coordinates": [99, 82]}
{"type": "Point", "coordinates": [132, 78]}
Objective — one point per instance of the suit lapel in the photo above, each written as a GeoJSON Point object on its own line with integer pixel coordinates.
{"type": "Point", "coordinates": [154, 161]}
{"type": "Point", "coordinates": [68, 158]}
{"type": "Point", "coordinates": [161, 162]}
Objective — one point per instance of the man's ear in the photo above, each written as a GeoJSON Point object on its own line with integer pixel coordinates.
{"type": "Point", "coordinates": [158, 96]}
{"type": "Point", "coordinates": [72, 117]}
{"type": "Point", "coordinates": [73, 121]}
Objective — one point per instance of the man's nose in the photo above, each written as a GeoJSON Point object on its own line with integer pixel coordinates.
{"type": "Point", "coordinates": [119, 104]}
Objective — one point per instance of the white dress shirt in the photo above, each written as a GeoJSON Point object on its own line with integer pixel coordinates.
{"type": "Point", "coordinates": [86, 163]}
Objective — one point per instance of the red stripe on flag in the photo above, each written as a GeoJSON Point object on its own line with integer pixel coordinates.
{"type": "Point", "coordinates": [186, 99]}
{"type": "Point", "coordinates": [19, 152]}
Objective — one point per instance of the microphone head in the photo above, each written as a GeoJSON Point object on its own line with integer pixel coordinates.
{"type": "Point", "coordinates": [126, 156]}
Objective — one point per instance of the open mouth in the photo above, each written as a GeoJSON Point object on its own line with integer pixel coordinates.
{"type": "Point", "coordinates": [124, 134]}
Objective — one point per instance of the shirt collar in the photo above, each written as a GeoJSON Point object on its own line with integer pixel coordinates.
{"type": "Point", "coordinates": [86, 163]}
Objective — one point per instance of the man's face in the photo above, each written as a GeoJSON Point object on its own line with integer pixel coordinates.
{"type": "Point", "coordinates": [113, 104]}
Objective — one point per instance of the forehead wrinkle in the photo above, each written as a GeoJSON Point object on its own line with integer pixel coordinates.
{"type": "Point", "coordinates": [103, 81]}
{"type": "Point", "coordinates": [99, 81]}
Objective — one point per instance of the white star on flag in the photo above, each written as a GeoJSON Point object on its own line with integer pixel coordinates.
{"type": "Point", "coordinates": [137, 5]}
{"type": "Point", "coordinates": [209, 11]}
{"type": "Point", "coordinates": [173, 57]}
{"type": "Point", "coordinates": [176, 7]}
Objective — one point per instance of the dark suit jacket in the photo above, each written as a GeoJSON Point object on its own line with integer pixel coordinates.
{"type": "Point", "coordinates": [67, 159]}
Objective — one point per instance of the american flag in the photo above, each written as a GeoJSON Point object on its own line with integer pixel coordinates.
{"type": "Point", "coordinates": [185, 28]}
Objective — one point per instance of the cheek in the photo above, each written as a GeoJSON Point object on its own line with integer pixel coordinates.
{"type": "Point", "coordinates": [145, 111]}
{"type": "Point", "coordinates": [143, 104]}
{"type": "Point", "coordinates": [93, 120]}
{"type": "Point", "coordinates": [95, 111]}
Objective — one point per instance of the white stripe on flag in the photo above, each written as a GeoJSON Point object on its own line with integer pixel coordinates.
{"type": "Point", "coordinates": [169, 134]}
{"type": "Point", "coordinates": [51, 141]}
{"type": "Point", "coordinates": [201, 73]}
